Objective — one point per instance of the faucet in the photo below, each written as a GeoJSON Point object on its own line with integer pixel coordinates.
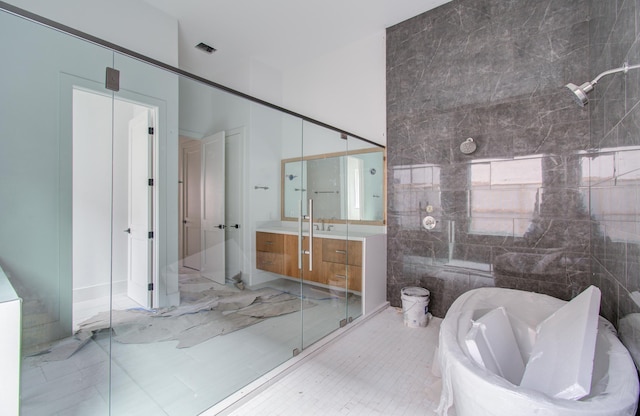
{"type": "Point", "coordinates": [329, 227]}
{"type": "Point", "coordinates": [322, 222]}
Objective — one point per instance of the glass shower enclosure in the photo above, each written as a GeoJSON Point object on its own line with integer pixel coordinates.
{"type": "Point", "coordinates": [143, 225]}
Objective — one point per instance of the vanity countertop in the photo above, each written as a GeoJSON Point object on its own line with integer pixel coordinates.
{"type": "Point", "coordinates": [336, 234]}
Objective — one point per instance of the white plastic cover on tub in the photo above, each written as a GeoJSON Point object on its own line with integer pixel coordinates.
{"type": "Point", "coordinates": [478, 392]}
{"type": "Point", "coordinates": [561, 362]}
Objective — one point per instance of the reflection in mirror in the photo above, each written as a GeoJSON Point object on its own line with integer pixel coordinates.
{"type": "Point", "coordinates": [344, 186]}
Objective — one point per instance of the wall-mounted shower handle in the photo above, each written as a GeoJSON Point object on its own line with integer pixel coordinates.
{"type": "Point", "coordinates": [310, 251]}
{"type": "Point", "coordinates": [300, 216]}
{"type": "Point", "coordinates": [300, 250]}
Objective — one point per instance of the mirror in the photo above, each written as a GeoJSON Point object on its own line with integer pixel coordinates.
{"type": "Point", "coordinates": [344, 186]}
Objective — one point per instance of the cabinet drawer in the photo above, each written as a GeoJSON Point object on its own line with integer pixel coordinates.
{"type": "Point", "coordinates": [269, 242]}
{"type": "Point", "coordinates": [337, 274]}
{"type": "Point", "coordinates": [271, 262]}
{"type": "Point", "coordinates": [342, 251]}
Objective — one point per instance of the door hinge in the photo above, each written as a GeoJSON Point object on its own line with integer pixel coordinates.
{"type": "Point", "coordinates": [150, 286]}
{"type": "Point", "coordinates": [150, 130]}
{"type": "Point", "coordinates": [112, 81]}
{"type": "Point", "coordinates": [150, 234]}
{"type": "Point", "coordinates": [150, 182]}
{"type": "Point", "coordinates": [344, 136]}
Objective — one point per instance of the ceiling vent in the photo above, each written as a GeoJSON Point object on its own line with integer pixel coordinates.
{"type": "Point", "coordinates": [205, 48]}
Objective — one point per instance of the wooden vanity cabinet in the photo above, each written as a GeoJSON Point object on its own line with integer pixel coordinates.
{"type": "Point", "coordinates": [335, 261]}
{"type": "Point", "coordinates": [270, 252]}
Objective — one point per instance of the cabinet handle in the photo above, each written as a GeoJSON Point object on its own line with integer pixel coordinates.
{"type": "Point", "coordinates": [268, 242]}
{"type": "Point", "coordinates": [341, 276]}
{"type": "Point", "coordinates": [341, 251]}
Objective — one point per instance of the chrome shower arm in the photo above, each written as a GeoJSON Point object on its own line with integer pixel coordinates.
{"type": "Point", "coordinates": [579, 93]}
{"type": "Point", "coordinates": [624, 68]}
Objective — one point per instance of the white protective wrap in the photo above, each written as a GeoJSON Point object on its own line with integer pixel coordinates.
{"type": "Point", "coordinates": [478, 392]}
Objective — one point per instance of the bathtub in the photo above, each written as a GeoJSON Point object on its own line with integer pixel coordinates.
{"type": "Point", "coordinates": [475, 391]}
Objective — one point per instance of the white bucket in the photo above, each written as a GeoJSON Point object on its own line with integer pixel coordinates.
{"type": "Point", "coordinates": [415, 303]}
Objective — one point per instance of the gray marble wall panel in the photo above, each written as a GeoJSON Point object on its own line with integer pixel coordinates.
{"type": "Point", "coordinates": [615, 147]}
{"type": "Point", "coordinates": [514, 213]}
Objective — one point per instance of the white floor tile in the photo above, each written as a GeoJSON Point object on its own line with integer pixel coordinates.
{"type": "Point", "coordinates": [378, 367]}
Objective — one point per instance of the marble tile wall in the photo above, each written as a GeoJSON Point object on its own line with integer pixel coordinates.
{"type": "Point", "coordinates": [614, 177]}
{"type": "Point", "coordinates": [529, 209]}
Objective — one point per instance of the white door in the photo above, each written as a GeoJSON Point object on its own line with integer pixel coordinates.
{"type": "Point", "coordinates": [140, 207]}
{"type": "Point", "coordinates": [192, 203]}
{"type": "Point", "coordinates": [212, 212]}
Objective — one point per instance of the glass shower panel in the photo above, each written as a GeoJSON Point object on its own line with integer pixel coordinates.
{"type": "Point", "coordinates": [325, 238]}
{"type": "Point", "coordinates": [364, 184]}
{"type": "Point", "coordinates": [213, 321]}
{"type": "Point", "coordinates": [55, 240]}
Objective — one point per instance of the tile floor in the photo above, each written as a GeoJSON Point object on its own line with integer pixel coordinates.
{"type": "Point", "coordinates": [380, 367]}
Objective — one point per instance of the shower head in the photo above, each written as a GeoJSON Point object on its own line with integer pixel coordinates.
{"type": "Point", "coordinates": [579, 93]}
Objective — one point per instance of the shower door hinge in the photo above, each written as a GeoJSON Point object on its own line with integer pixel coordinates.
{"type": "Point", "coordinates": [151, 130]}
{"type": "Point", "coordinates": [296, 351]}
{"type": "Point", "coordinates": [150, 234]}
{"type": "Point", "coordinates": [343, 323]}
{"type": "Point", "coordinates": [150, 182]}
{"type": "Point", "coordinates": [112, 81]}
{"type": "Point", "coordinates": [344, 136]}
{"type": "Point", "coordinates": [150, 286]}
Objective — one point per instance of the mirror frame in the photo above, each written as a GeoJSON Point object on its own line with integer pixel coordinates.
{"type": "Point", "coordinates": [283, 162]}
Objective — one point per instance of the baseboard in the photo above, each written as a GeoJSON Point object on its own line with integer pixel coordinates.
{"type": "Point", "coordinates": [99, 291]}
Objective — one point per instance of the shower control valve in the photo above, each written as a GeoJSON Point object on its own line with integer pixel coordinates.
{"type": "Point", "coordinates": [429, 222]}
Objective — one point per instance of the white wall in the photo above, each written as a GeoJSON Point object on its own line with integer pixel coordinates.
{"type": "Point", "coordinates": [345, 89]}
{"type": "Point", "coordinates": [132, 24]}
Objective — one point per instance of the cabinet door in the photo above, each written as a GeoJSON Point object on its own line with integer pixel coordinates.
{"type": "Point", "coordinates": [271, 262]}
{"type": "Point", "coordinates": [315, 275]}
{"type": "Point", "coordinates": [336, 275]}
{"type": "Point", "coordinates": [291, 256]}
{"type": "Point", "coordinates": [269, 242]}
{"type": "Point", "coordinates": [342, 251]}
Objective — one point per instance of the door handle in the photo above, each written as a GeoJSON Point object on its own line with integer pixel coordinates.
{"type": "Point", "coordinates": [184, 221]}
{"type": "Point", "coordinates": [128, 231]}
{"type": "Point", "coordinates": [221, 226]}
{"type": "Point", "coordinates": [236, 226]}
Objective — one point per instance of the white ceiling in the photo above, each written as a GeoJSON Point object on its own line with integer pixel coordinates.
{"type": "Point", "coordinates": [277, 33]}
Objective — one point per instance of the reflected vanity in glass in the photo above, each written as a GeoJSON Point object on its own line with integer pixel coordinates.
{"type": "Point", "coordinates": [345, 186]}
